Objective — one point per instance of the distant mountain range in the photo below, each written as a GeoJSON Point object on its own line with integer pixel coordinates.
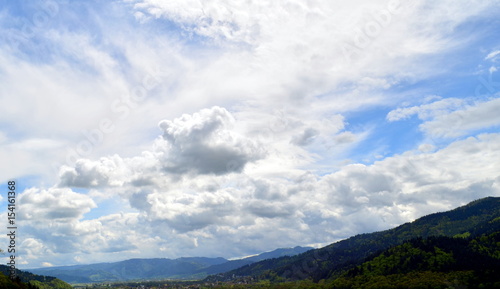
{"type": "Point", "coordinates": [158, 268]}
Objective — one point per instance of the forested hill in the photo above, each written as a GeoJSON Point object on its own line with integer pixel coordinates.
{"type": "Point", "coordinates": [433, 262]}
{"type": "Point", "coordinates": [332, 261]}
{"type": "Point", "coordinates": [27, 280]}
{"type": "Point", "coordinates": [439, 262]}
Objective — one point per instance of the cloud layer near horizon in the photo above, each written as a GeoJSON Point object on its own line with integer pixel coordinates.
{"type": "Point", "coordinates": [243, 205]}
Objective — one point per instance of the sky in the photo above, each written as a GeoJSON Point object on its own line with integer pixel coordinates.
{"type": "Point", "coordinates": [147, 128]}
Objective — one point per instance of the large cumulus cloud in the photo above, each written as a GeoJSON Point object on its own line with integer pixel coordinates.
{"type": "Point", "coordinates": [55, 204]}
{"type": "Point", "coordinates": [203, 143]}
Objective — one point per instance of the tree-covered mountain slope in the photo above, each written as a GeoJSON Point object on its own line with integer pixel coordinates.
{"type": "Point", "coordinates": [27, 280]}
{"type": "Point", "coordinates": [437, 262]}
{"type": "Point", "coordinates": [337, 258]}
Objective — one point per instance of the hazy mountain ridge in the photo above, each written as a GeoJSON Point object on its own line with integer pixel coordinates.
{"type": "Point", "coordinates": [233, 264]}
{"type": "Point", "coordinates": [157, 268]}
{"type": "Point", "coordinates": [335, 259]}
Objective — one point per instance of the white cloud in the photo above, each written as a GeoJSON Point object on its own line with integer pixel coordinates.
{"type": "Point", "coordinates": [426, 148]}
{"type": "Point", "coordinates": [54, 204]}
{"type": "Point", "coordinates": [345, 137]}
{"type": "Point", "coordinates": [3, 137]}
{"type": "Point", "coordinates": [451, 117]}
{"type": "Point", "coordinates": [492, 55]}
{"type": "Point", "coordinates": [34, 249]}
{"type": "Point", "coordinates": [482, 115]}
{"type": "Point", "coordinates": [426, 111]}
{"type": "Point", "coordinates": [108, 171]}
{"type": "Point", "coordinates": [204, 144]}
{"type": "Point", "coordinates": [188, 212]}
{"type": "Point", "coordinates": [306, 137]}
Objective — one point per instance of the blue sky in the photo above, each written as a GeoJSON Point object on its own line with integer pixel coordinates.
{"type": "Point", "coordinates": [139, 129]}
